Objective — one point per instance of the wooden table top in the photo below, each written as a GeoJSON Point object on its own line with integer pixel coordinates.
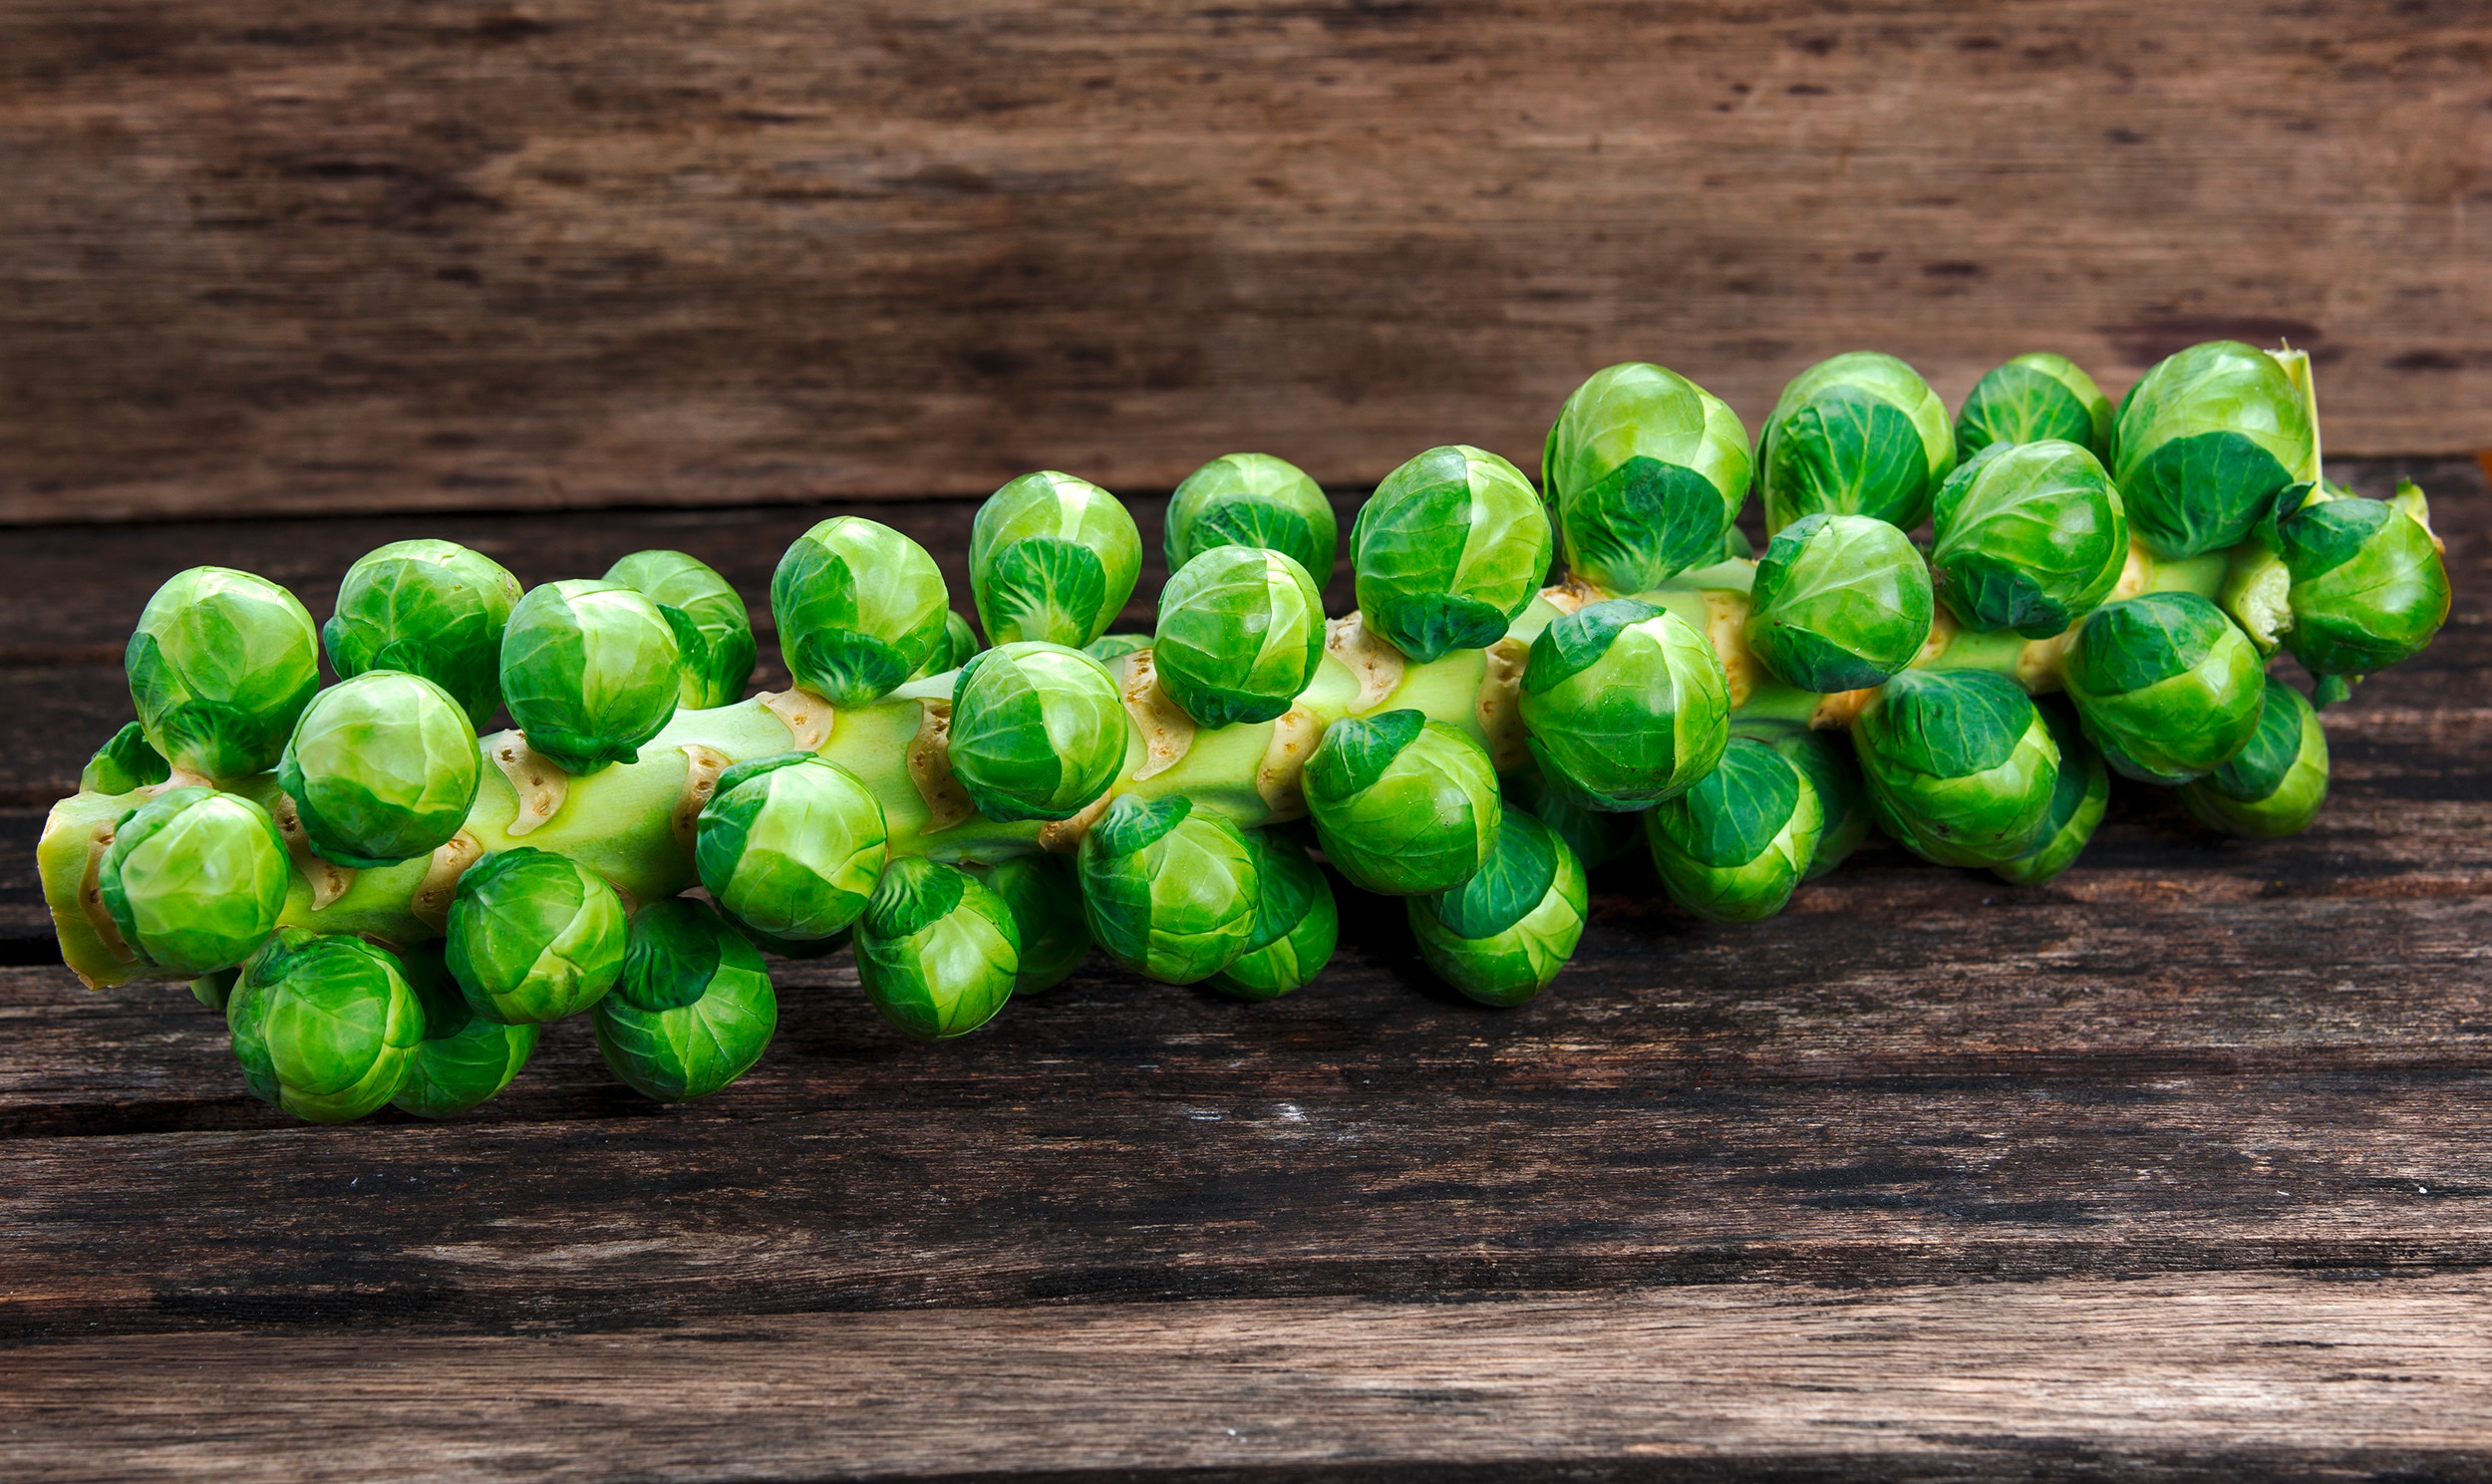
{"type": "Point", "coordinates": [2180, 1166]}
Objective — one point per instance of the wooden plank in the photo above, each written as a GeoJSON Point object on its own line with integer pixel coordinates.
{"type": "Point", "coordinates": [1138, 1173]}
{"type": "Point", "coordinates": [455, 255]}
{"type": "Point", "coordinates": [2226, 1376]}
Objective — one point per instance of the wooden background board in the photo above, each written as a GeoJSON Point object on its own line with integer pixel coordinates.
{"type": "Point", "coordinates": [280, 255]}
{"type": "Point", "coordinates": [2176, 1169]}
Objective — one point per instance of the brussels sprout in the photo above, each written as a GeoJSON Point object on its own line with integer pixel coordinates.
{"type": "Point", "coordinates": [1046, 915]}
{"type": "Point", "coordinates": [533, 936]}
{"type": "Point", "coordinates": [1296, 923]}
{"type": "Point", "coordinates": [1107, 649]}
{"type": "Point", "coordinates": [1252, 500]}
{"type": "Point", "coordinates": [2166, 685]}
{"type": "Point", "coordinates": [1241, 632]}
{"type": "Point", "coordinates": [1958, 762]}
{"type": "Point", "coordinates": [1502, 935]}
{"type": "Point", "coordinates": [2077, 798]}
{"type": "Point", "coordinates": [463, 1058]}
{"type": "Point", "coordinates": [1451, 547]}
{"type": "Point", "coordinates": [2032, 399]}
{"type": "Point", "coordinates": [2031, 536]}
{"type": "Point", "coordinates": [859, 607]}
{"type": "Point", "coordinates": [2273, 785]}
{"type": "Point", "coordinates": [694, 1009]}
{"type": "Point", "coordinates": [127, 761]}
{"type": "Point", "coordinates": [2205, 443]}
{"type": "Point", "coordinates": [1840, 603]}
{"type": "Point", "coordinates": [1169, 890]}
{"type": "Point", "coordinates": [1038, 732]}
{"type": "Point", "coordinates": [1597, 837]}
{"type": "Point", "coordinates": [960, 641]}
{"type": "Point", "coordinates": [2368, 587]}
{"type": "Point", "coordinates": [1053, 558]}
{"type": "Point", "coordinates": [791, 845]}
{"type": "Point", "coordinates": [325, 1028]}
{"type": "Point", "coordinates": [194, 879]}
{"type": "Point", "coordinates": [588, 672]}
{"type": "Point", "coordinates": [1826, 762]}
{"type": "Point", "coordinates": [1858, 435]}
{"type": "Point", "coordinates": [1733, 847]}
{"type": "Point", "coordinates": [1646, 471]}
{"type": "Point", "coordinates": [936, 951]}
{"type": "Point", "coordinates": [713, 632]}
{"type": "Point", "coordinates": [1403, 805]}
{"type": "Point", "coordinates": [382, 769]}
{"type": "Point", "coordinates": [430, 608]}
{"type": "Point", "coordinates": [220, 666]}
{"type": "Point", "coordinates": [1625, 704]}
{"type": "Point", "coordinates": [216, 990]}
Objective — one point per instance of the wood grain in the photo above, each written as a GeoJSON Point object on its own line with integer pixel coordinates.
{"type": "Point", "coordinates": [2260, 1375]}
{"type": "Point", "coordinates": [283, 255]}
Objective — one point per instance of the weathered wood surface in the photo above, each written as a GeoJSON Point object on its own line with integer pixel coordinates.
{"type": "Point", "coordinates": [2174, 1169]}
{"type": "Point", "coordinates": [279, 255]}
{"type": "Point", "coordinates": [2219, 1378]}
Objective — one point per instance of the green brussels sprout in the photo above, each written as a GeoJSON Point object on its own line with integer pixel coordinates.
{"type": "Point", "coordinates": [1252, 500]}
{"type": "Point", "coordinates": [936, 951]}
{"type": "Point", "coordinates": [1241, 632]}
{"type": "Point", "coordinates": [2077, 800]}
{"type": "Point", "coordinates": [2368, 586]}
{"type": "Point", "coordinates": [1843, 802]}
{"type": "Point", "coordinates": [2206, 440]}
{"type": "Point", "coordinates": [2032, 399]}
{"type": "Point", "coordinates": [1733, 847]}
{"type": "Point", "coordinates": [791, 845]}
{"type": "Point", "coordinates": [2275, 785]}
{"type": "Point", "coordinates": [430, 608]}
{"type": "Point", "coordinates": [2167, 686]}
{"type": "Point", "coordinates": [382, 769]}
{"type": "Point", "coordinates": [127, 761]}
{"type": "Point", "coordinates": [1451, 547]}
{"type": "Point", "coordinates": [1625, 704]}
{"type": "Point", "coordinates": [1047, 914]}
{"type": "Point", "coordinates": [1960, 764]}
{"type": "Point", "coordinates": [713, 631]}
{"type": "Point", "coordinates": [859, 607]}
{"type": "Point", "coordinates": [1645, 471]}
{"type": "Point", "coordinates": [1107, 649]}
{"type": "Point", "coordinates": [1597, 837]}
{"type": "Point", "coordinates": [1501, 936]}
{"type": "Point", "coordinates": [325, 1028]}
{"type": "Point", "coordinates": [1169, 890]}
{"type": "Point", "coordinates": [1038, 732]}
{"type": "Point", "coordinates": [588, 670]}
{"type": "Point", "coordinates": [533, 936]}
{"type": "Point", "coordinates": [694, 1009]}
{"type": "Point", "coordinates": [960, 643]}
{"type": "Point", "coordinates": [194, 879]}
{"type": "Point", "coordinates": [1840, 603]}
{"type": "Point", "coordinates": [221, 664]}
{"type": "Point", "coordinates": [2030, 537]}
{"type": "Point", "coordinates": [463, 1058]}
{"type": "Point", "coordinates": [1403, 805]}
{"type": "Point", "coordinates": [216, 990]}
{"type": "Point", "coordinates": [1051, 558]}
{"type": "Point", "coordinates": [1296, 923]}
{"type": "Point", "coordinates": [1860, 433]}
